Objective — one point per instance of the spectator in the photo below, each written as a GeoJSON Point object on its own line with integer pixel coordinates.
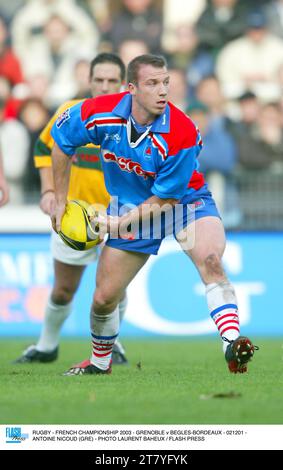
{"type": "Point", "coordinates": [180, 11]}
{"type": "Point", "coordinates": [34, 116]}
{"type": "Point", "coordinates": [29, 22]}
{"type": "Point", "coordinates": [210, 94]}
{"type": "Point", "coordinates": [274, 15]}
{"type": "Point", "coordinates": [280, 77]}
{"type": "Point", "coordinates": [131, 48]}
{"type": "Point", "coordinates": [81, 76]}
{"type": "Point", "coordinates": [219, 164]}
{"type": "Point", "coordinates": [252, 61]}
{"type": "Point", "coordinates": [218, 160]}
{"type": "Point", "coordinates": [280, 83]}
{"type": "Point", "coordinates": [54, 55]}
{"type": "Point", "coordinates": [249, 107]}
{"type": "Point", "coordinates": [11, 104]}
{"type": "Point", "coordinates": [137, 19]}
{"type": "Point", "coordinates": [14, 146]}
{"type": "Point", "coordinates": [177, 13]}
{"type": "Point", "coordinates": [251, 3]}
{"type": "Point", "coordinates": [261, 149]}
{"type": "Point", "coordinates": [9, 9]}
{"type": "Point", "coordinates": [183, 44]}
{"type": "Point", "coordinates": [184, 53]}
{"type": "Point", "coordinates": [221, 22]}
{"type": "Point", "coordinates": [178, 88]}
{"type": "Point", "coordinates": [4, 188]}
{"type": "Point", "coordinates": [10, 67]}
{"type": "Point", "coordinates": [219, 152]}
{"type": "Point", "coordinates": [38, 88]}
{"type": "Point", "coordinates": [99, 11]}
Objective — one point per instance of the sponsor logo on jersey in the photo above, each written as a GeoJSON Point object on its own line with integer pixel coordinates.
{"type": "Point", "coordinates": [126, 164]}
{"type": "Point", "coordinates": [147, 153]}
{"type": "Point", "coordinates": [63, 118]}
{"type": "Point", "coordinates": [115, 137]}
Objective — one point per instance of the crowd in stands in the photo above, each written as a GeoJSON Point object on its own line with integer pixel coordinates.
{"type": "Point", "coordinates": [226, 64]}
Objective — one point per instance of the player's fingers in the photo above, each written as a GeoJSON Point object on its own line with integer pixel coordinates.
{"type": "Point", "coordinates": [47, 203]}
{"type": "Point", "coordinates": [98, 218]}
{"type": "Point", "coordinates": [53, 222]}
{"type": "Point", "coordinates": [51, 207]}
{"type": "Point", "coordinates": [44, 208]}
{"type": "Point", "coordinates": [58, 222]}
{"type": "Point", "coordinates": [56, 217]}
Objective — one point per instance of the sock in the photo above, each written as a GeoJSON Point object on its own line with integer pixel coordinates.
{"type": "Point", "coordinates": [222, 305]}
{"type": "Point", "coordinates": [105, 330]}
{"type": "Point", "coordinates": [55, 315]}
{"type": "Point", "coordinates": [122, 310]}
{"type": "Point", "coordinates": [123, 307]}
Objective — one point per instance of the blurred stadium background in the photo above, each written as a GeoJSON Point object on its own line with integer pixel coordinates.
{"type": "Point", "coordinates": [226, 64]}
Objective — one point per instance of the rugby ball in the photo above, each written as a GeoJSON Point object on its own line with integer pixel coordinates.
{"type": "Point", "coordinates": [76, 229]}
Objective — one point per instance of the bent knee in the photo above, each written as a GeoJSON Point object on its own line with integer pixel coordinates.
{"type": "Point", "coordinates": [104, 302]}
{"type": "Point", "coordinates": [62, 295]}
{"type": "Point", "coordinates": [213, 265]}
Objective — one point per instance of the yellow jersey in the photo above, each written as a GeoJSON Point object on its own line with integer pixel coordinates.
{"type": "Point", "coordinates": [86, 178]}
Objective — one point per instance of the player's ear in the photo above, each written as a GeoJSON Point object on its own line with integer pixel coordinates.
{"type": "Point", "coordinates": [132, 88]}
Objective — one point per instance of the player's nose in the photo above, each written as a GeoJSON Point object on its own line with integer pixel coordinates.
{"type": "Point", "coordinates": [163, 89]}
{"type": "Point", "coordinates": [105, 86]}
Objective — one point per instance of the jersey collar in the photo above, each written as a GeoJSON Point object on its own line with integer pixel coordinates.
{"type": "Point", "coordinates": [161, 123]}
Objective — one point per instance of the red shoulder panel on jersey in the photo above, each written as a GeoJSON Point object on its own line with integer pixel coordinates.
{"type": "Point", "coordinates": [100, 104]}
{"type": "Point", "coordinates": [183, 132]}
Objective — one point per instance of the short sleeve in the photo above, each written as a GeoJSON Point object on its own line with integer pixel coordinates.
{"type": "Point", "coordinates": [69, 130]}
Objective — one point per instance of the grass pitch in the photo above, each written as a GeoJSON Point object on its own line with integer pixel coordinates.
{"type": "Point", "coordinates": [167, 382]}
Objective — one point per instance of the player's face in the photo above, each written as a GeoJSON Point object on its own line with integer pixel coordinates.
{"type": "Point", "coordinates": [105, 79]}
{"type": "Point", "coordinates": [150, 94]}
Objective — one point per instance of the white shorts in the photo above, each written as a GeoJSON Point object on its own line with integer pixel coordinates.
{"type": "Point", "coordinates": [67, 255]}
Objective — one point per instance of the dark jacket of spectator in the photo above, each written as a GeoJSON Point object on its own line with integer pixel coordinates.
{"type": "Point", "coordinates": [145, 26]}
{"type": "Point", "coordinates": [261, 146]}
{"type": "Point", "coordinates": [215, 27]}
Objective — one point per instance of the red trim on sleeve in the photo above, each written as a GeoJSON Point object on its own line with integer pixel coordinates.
{"type": "Point", "coordinates": [100, 104]}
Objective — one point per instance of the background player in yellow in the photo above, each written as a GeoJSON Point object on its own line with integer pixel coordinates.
{"type": "Point", "coordinates": [107, 74]}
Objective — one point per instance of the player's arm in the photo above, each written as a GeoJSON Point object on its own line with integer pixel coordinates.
{"type": "Point", "coordinates": [68, 132]}
{"type": "Point", "coordinates": [42, 161]}
{"type": "Point", "coordinates": [47, 197]}
{"type": "Point", "coordinates": [4, 189]}
{"type": "Point", "coordinates": [61, 165]}
{"type": "Point", "coordinates": [169, 187]}
{"type": "Point", "coordinates": [151, 207]}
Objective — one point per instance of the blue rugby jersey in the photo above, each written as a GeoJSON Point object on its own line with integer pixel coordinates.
{"type": "Point", "coordinates": [162, 163]}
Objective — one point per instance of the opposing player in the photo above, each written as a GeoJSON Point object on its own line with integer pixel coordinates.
{"type": "Point", "coordinates": [149, 152]}
{"type": "Point", "coordinates": [107, 74]}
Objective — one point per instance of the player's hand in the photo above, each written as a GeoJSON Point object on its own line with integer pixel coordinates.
{"type": "Point", "coordinates": [47, 203]}
{"type": "Point", "coordinates": [106, 223]}
{"type": "Point", "coordinates": [4, 193]}
{"type": "Point", "coordinates": [115, 226]}
{"type": "Point", "coordinates": [56, 216]}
